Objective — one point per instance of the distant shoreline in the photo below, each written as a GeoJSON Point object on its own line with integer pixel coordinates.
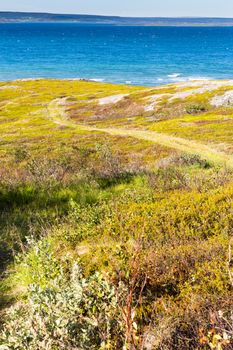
{"type": "Point", "coordinates": [125, 25]}
{"type": "Point", "coordinates": [28, 17]}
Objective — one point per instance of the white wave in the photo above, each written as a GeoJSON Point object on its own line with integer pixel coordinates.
{"type": "Point", "coordinates": [174, 75]}
{"type": "Point", "coordinates": [128, 82]}
{"type": "Point", "coordinates": [181, 79]}
{"type": "Point", "coordinates": [198, 78]}
{"type": "Point", "coordinates": [178, 80]}
{"type": "Point", "coordinates": [97, 80]}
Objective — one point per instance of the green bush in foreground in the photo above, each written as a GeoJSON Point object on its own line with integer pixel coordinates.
{"type": "Point", "coordinates": [76, 314]}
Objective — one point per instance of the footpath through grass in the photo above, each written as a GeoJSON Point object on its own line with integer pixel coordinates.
{"type": "Point", "coordinates": [58, 115]}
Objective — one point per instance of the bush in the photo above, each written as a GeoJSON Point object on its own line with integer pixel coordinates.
{"type": "Point", "coordinates": [185, 159]}
{"type": "Point", "coordinates": [168, 179]}
{"type": "Point", "coordinates": [195, 109]}
{"type": "Point", "coordinates": [193, 159]}
{"type": "Point", "coordinates": [81, 313]}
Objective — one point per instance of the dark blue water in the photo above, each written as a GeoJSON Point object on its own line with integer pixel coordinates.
{"type": "Point", "coordinates": [136, 55]}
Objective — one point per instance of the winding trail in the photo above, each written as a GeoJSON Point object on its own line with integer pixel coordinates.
{"type": "Point", "coordinates": [58, 115]}
{"type": "Point", "coordinates": [178, 143]}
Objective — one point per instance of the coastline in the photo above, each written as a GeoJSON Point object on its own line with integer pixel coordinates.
{"type": "Point", "coordinates": [162, 25]}
{"type": "Point", "coordinates": [37, 17]}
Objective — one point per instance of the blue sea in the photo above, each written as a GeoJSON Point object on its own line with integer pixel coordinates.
{"type": "Point", "coordinates": [132, 55]}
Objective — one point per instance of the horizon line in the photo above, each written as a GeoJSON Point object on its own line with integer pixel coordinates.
{"type": "Point", "coordinates": [116, 16]}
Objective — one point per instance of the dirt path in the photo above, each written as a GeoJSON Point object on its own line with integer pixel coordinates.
{"type": "Point", "coordinates": [58, 115]}
{"type": "Point", "coordinates": [178, 143]}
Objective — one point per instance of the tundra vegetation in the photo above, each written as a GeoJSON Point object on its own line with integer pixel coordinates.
{"type": "Point", "coordinates": [116, 216]}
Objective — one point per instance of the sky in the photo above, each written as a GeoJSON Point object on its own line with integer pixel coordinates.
{"type": "Point", "coordinates": [150, 8]}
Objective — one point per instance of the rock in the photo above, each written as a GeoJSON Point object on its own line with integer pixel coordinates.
{"type": "Point", "coordinates": [223, 100]}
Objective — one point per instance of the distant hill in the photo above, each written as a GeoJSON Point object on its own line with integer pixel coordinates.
{"type": "Point", "coordinates": [18, 17]}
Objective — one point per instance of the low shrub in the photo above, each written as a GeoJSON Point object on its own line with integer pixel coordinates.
{"type": "Point", "coordinates": [192, 159]}
{"type": "Point", "coordinates": [168, 179]}
{"type": "Point", "coordinates": [195, 109]}
{"type": "Point", "coordinates": [185, 159]}
{"type": "Point", "coordinates": [79, 313]}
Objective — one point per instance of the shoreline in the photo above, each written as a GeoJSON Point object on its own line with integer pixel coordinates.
{"type": "Point", "coordinates": [182, 25]}
{"type": "Point", "coordinates": [103, 19]}
{"type": "Point", "coordinates": [184, 83]}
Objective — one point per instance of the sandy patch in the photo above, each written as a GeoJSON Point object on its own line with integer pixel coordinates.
{"type": "Point", "coordinates": [111, 99]}
{"type": "Point", "coordinates": [9, 87]}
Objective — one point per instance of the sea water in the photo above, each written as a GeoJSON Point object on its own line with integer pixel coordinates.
{"type": "Point", "coordinates": [132, 55]}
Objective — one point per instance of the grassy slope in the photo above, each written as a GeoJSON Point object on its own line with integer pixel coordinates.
{"type": "Point", "coordinates": [112, 184]}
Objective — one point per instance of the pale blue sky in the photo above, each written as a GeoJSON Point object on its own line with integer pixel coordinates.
{"type": "Point", "coordinates": [169, 8]}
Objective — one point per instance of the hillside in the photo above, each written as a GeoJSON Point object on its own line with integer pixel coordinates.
{"type": "Point", "coordinates": [116, 215]}
{"type": "Point", "coordinates": [18, 17]}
